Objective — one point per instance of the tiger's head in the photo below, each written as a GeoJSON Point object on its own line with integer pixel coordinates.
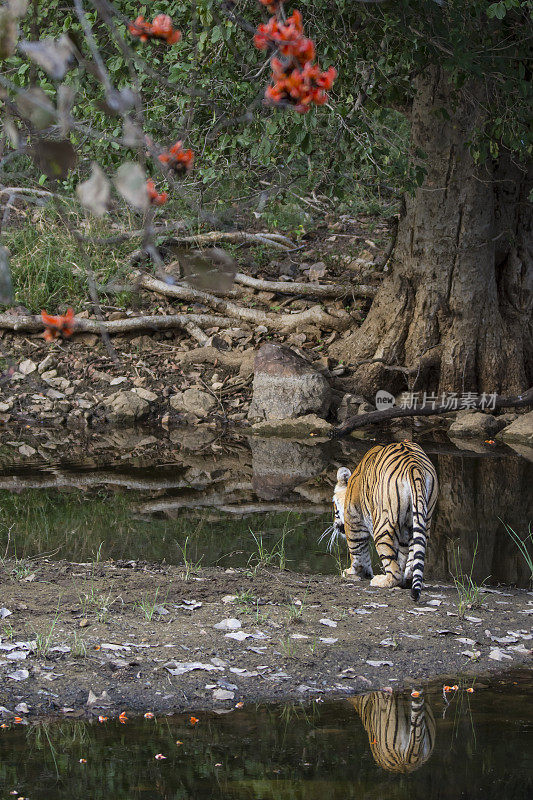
{"type": "Point", "coordinates": [337, 529]}
{"type": "Point", "coordinates": [339, 495]}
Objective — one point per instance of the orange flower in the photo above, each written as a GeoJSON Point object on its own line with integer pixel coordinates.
{"type": "Point", "coordinates": [455, 687]}
{"type": "Point", "coordinates": [178, 742]}
{"type": "Point", "coordinates": [447, 688]}
{"type": "Point", "coordinates": [161, 28]}
{"type": "Point", "coordinates": [156, 199]}
{"type": "Point", "coordinates": [240, 704]}
{"type": "Point", "coordinates": [159, 757]}
{"type": "Point", "coordinates": [470, 690]}
{"type": "Point", "coordinates": [122, 718]}
{"type": "Point", "coordinates": [83, 760]}
{"type": "Point", "coordinates": [102, 719]}
{"type": "Point", "coordinates": [149, 715]}
{"type": "Point", "coordinates": [414, 693]}
{"type": "Point", "coordinates": [3, 725]}
{"type": "Point", "coordinates": [194, 720]}
{"type": "Point", "coordinates": [490, 441]}
{"type": "Point", "coordinates": [55, 326]}
{"type": "Point", "coordinates": [177, 159]}
{"type": "Point", "coordinates": [296, 82]}
{"type": "Point", "coordinates": [17, 720]}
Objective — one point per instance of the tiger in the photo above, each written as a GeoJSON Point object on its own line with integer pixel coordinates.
{"type": "Point", "coordinates": [391, 495]}
{"type": "Point", "coordinates": [401, 734]}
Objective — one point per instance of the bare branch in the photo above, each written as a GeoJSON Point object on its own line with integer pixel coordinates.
{"type": "Point", "coordinates": [376, 417]}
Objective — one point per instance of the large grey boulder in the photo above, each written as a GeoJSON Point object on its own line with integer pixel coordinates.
{"type": "Point", "coordinates": [286, 386]}
{"type": "Point", "coordinates": [521, 430]}
{"type": "Point", "coordinates": [474, 424]}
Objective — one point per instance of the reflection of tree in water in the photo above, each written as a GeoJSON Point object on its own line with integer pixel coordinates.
{"type": "Point", "coordinates": [474, 492]}
{"type": "Point", "coordinates": [401, 730]}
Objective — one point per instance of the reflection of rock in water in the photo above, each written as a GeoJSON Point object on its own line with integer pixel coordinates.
{"type": "Point", "coordinates": [401, 730]}
{"type": "Point", "coordinates": [279, 465]}
{"type": "Point", "coordinates": [474, 492]}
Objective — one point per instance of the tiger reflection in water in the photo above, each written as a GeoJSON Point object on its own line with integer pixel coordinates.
{"type": "Point", "coordinates": [401, 730]}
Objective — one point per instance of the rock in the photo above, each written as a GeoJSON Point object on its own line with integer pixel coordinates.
{"type": "Point", "coordinates": [521, 430]}
{"type": "Point", "coordinates": [507, 418]}
{"type": "Point", "coordinates": [27, 367]}
{"type": "Point", "coordinates": [126, 407]}
{"type": "Point", "coordinates": [286, 386]}
{"type": "Point", "coordinates": [223, 694]}
{"type": "Point", "coordinates": [474, 423]}
{"type": "Point", "coordinates": [299, 427]}
{"type": "Point", "coordinates": [146, 394]}
{"type": "Point", "coordinates": [352, 405]}
{"type": "Point", "coordinates": [194, 401]}
{"type": "Point", "coordinates": [44, 364]}
{"type": "Point", "coordinates": [230, 624]}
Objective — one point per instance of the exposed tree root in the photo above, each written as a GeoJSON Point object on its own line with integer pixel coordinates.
{"type": "Point", "coordinates": [276, 240]}
{"type": "Point", "coordinates": [280, 322]}
{"type": "Point", "coordinates": [306, 289]}
{"type": "Point", "coordinates": [375, 417]}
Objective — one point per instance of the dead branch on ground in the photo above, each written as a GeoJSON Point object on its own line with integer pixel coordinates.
{"type": "Point", "coordinates": [375, 417]}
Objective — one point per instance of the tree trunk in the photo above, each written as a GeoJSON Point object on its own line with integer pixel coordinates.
{"type": "Point", "coordinates": [457, 306]}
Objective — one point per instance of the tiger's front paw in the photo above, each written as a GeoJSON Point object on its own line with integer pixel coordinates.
{"type": "Point", "coordinates": [351, 574]}
{"type": "Point", "coordinates": [384, 581]}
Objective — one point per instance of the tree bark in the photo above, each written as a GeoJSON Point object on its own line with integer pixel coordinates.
{"type": "Point", "coordinates": [461, 281]}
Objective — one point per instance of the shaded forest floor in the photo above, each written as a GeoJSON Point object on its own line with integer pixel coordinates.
{"type": "Point", "coordinates": [69, 381]}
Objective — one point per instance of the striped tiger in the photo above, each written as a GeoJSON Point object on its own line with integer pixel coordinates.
{"type": "Point", "coordinates": [390, 495]}
{"type": "Point", "coordinates": [401, 733]}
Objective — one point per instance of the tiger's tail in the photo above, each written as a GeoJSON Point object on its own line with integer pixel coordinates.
{"type": "Point", "coordinates": [418, 543]}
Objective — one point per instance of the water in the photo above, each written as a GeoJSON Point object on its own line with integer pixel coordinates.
{"type": "Point", "coordinates": [154, 499]}
{"type": "Point", "coordinates": [477, 746]}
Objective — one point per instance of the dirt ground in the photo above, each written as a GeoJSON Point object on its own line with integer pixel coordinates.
{"type": "Point", "coordinates": [102, 638]}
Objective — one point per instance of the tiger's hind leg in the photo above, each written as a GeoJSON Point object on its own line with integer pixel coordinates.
{"type": "Point", "coordinates": [358, 538]}
{"type": "Point", "coordinates": [403, 555]}
{"type": "Point", "coordinates": [405, 561]}
{"type": "Point", "coordinates": [387, 540]}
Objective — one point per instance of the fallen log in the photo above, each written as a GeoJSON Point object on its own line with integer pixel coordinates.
{"type": "Point", "coordinates": [376, 417]}
{"type": "Point", "coordinates": [191, 323]}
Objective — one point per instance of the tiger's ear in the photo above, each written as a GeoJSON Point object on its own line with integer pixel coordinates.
{"type": "Point", "coordinates": [343, 476]}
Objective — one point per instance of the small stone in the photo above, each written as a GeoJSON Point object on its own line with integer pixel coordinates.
{"type": "Point", "coordinates": [194, 401]}
{"type": "Point", "coordinates": [26, 450]}
{"type": "Point", "coordinates": [230, 624]}
{"type": "Point", "coordinates": [27, 367]}
{"type": "Point", "coordinates": [44, 364]}
{"type": "Point", "coordinates": [521, 430]}
{"type": "Point", "coordinates": [473, 424]}
{"type": "Point", "coordinates": [126, 407]}
{"type": "Point", "coordinates": [146, 394]}
{"type": "Point", "coordinates": [223, 694]}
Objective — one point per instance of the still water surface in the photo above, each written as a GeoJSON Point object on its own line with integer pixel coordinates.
{"type": "Point", "coordinates": [378, 746]}
{"type": "Point", "coordinates": [211, 505]}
